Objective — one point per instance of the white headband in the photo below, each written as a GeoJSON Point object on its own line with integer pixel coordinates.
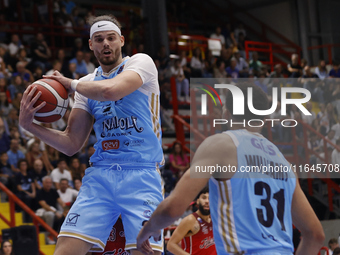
{"type": "Point", "coordinates": [104, 25]}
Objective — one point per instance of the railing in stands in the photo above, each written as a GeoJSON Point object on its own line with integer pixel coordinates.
{"type": "Point", "coordinates": [37, 221]}
{"type": "Point", "coordinates": [270, 49]}
{"type": "Point", "coordinates": [329, 48]}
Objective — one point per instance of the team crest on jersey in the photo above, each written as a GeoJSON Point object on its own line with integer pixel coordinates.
{"type": "Point", "coordinates": [120, 69]}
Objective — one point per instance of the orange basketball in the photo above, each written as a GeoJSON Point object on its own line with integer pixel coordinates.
{"type": "Point", "coordinates": [56, 97]}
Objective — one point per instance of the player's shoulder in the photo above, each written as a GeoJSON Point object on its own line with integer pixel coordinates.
{"type": "Point", "coordinates": [140, 57]}
{"type": "Point", "coordinates": [219, 141]}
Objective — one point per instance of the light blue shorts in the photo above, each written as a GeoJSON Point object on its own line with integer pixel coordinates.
{"type": "Point", "coordinates": [108, 191]}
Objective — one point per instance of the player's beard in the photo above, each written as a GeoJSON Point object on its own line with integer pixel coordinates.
{"type": "Point", "coordinates": [112, 60]}
{"type": "Point", "coordinates": [204, 212]}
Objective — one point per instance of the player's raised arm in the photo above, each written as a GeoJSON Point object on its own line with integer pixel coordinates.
{"type": "Point", "coordinates": [69, 141]}
{"type": "Point", "coordinates": [211, 152]}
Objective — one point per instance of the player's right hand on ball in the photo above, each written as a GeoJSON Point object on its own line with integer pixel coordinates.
{"type": "Point", "coordinates": [66, 82]}
{"type": "Point", "coordinates": [27, 109]}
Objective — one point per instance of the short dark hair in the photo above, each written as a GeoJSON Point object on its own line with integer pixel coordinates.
{"type": "Point", "coordinates": [203, 191]}
{"type": "Point", "coordinates": [332, 241]}
{"type": "Point", "coordinates": [260, 101]}
{"type": "Point", "coordinates": [22, 160]}
{"type": "Point", "coordinates": [106, 17]}
{"type": "Point", "coordinates": [63, 179]}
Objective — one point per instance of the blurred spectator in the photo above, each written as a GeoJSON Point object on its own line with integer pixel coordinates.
{"type": "Point", "coordinates": [336, 154]}
{"type": "Point", "coordinates": [218, 35]}
{"type": "Point", "coordinates": [336, 251]}
{"type": "Point", "coordinates": [75, 169]}
{"type": "Point", "coordinates": [71, 72]}
{"type": "Point", "coordinates": [81, 69]}
{"type": "Point", "coordinates": [4, 88]}
{"type": "Point", "coordinates": [330, 136]}
{"type": "Point", "coordinates": [314, 145]}
{"type": "Point", "coordinates": [231, 70]}
{"type": "Point", "coordinates": [184, 64]}
{"type": "Point", "coordinates": [38, 173]}
{"type": "Point", "coordinates": [84, 157]}
{"type": "Point", "coordinates": [321, 70]}
{"type": "Point", "coordinates": [42, 7]}
{"type": "Point", "coordinates": [260, 82]}
{"type": "Point", "coordinates": [179, 161]}
{"type": "Point", "coordinates": [332, 244]}
{"type": "Point", "coordinates": [35, 152]}
{"type": "Point", "coordinates": [196, 63]}
{"type": "Point", "coordinates": [6, 247]}
{"type": "Point", "coordinates": [14, 155]}
{"type": "Point", "coordinates": [207, 71]}
{"type": "Point", "coordinates": [14, 46]}
{"type": "Point", "coordinates": [5, 105]}
{"type": "Point", "coordinates": [48, 199]}
{"type": "Point", "coordinates": [219, 70]}
{"type": "Point", "coordinates": [56, 66]}
{"type": "Point", "coordinates": [226, 55]}
{"type": "Point", "coordinates": [335, 72]}
{"type": "Point", "coordinates": [79, 46]}
{"type": "Point", "coordinates": [163, 58]}
{"type": "Point", "coordinates": [182, 84]}
{"type": "Point", "coordinates": [277, 73]}
{"type": "Point", "coordinates": [6, 173]}
{"type": "Point", "coordinates": [25, 74]}
{"type": "Point", "coordinates": [293, 67]}
{"type": "Point", "coordinates": [38, 73]}
{"type": "Point", "coordinates": [89, 65]}
{"type": "Point", "coordinates": [62, 60]}
{"type": "Point", "coordinates": [40, 53]}
{"type": "Point", "coordinates": [25, 185]}
{"type": "Point", "coordinates": [239, 30]}
{"type": "Point", "coordinates": [69, 5]}
{"type": "Point", "coordinates": [310, 82]}
{"type": "Point", "coordinates": [67, 195]}
{"type": "Point", "coordinates": [3, 63]}
{"type": "Point", "coordinates": [16, 101]}
{"type": "Point", "coordinates": [22, 57]}
{"type": "Point", "coordinates": [255, 65]}
{"type": "Point", "coordinates": [16, 86]}
{"type": "Point", "coordinates": [52, 155]}
{"type": "Point", "coordinates": [61, 172]}
{"type": "Point", "coordinates": [241, 44]}
{"type": "Point", "coordinates": [241, 65]}
{"type": "Point", "coordinates": [4, 137]}
{"type": "Point", "coordinates": [309, 118]}
{"type": "Point", "coordinates": [77, 184]}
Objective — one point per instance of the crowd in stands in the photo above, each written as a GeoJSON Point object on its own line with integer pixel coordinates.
{"type": "Point", "coordinates": [48, 181]}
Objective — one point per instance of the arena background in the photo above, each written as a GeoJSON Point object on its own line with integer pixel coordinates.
{"type": "Point", "coordinates": [169, 30]}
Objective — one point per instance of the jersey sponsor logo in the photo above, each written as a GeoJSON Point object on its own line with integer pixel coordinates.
{"type": "Point", "coordinates": [147, 214]}
{"type": "Point", "coordinates": [110, 145]}
{"type": "Point", "coordinates": [120, 251]}
{"type": "Point", "coordinates": [265, 148]}
{"type": "Point", "coordinates": [150, 202]}
{"type": "Point", "coordinates": [207, 242]}
{"type": "Point", "coordinates": [133, 143]}
{"type": "Point", "coordinates": [72, 219]}
{"type": "Point", "coordinates": [204, 229]}
{"type": "Point", "coordinates": [121, 123]}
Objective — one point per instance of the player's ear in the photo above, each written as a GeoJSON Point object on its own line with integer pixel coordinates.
{"type": "Point", "coordinates": [90, 44]}
{"type": "Point", "coordinates": [122, 40]}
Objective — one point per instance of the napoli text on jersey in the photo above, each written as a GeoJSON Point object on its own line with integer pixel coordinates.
{"type": "Point", "coordinates": [252, 211]}
{"type": "Point", "coordinates": [128, 130]}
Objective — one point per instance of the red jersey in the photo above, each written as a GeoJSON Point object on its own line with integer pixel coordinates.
{"type": "Point", "coordinates": [116, 242]}
{"type": "Point", "coordinates": [201, 243]}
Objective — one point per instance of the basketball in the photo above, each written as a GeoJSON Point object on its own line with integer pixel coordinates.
{"type": "Point", "coordinates": [56, 97]}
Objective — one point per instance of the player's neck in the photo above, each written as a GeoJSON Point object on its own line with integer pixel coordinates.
{"type": "Point", "coordinates": [108, 68]}
{"type": "Point", "coordinates": [204, 217]}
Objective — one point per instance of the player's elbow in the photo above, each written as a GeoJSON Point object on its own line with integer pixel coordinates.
{"type": "Point", "coordinates": [170, 247]}
{"type": "Point", "coordinates": [315, 236]}
{"type": "Point", "coordinates": [72, 149]}
{"type": "Point", "coordinates": [109, 93]}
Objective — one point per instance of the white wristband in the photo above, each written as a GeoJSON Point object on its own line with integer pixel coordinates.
{"type": "Point", "coordinates": [74, 84]}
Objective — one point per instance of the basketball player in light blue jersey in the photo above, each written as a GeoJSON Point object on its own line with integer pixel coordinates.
{"type": "Point", "coordinates": [252, 212]}
{"type": "Point", "coordinates": [121, 101]}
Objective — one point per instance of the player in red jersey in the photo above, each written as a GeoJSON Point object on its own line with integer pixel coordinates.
{"type": "Point", "coordinates": [195, 232]}
{"type": "Point", "coordinates": [116, 242]}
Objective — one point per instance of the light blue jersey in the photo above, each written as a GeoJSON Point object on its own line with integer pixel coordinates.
{"type": "Point", "coordinates": [252, 211]}
{"type": "Point", "coordinates": [127, 130]}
